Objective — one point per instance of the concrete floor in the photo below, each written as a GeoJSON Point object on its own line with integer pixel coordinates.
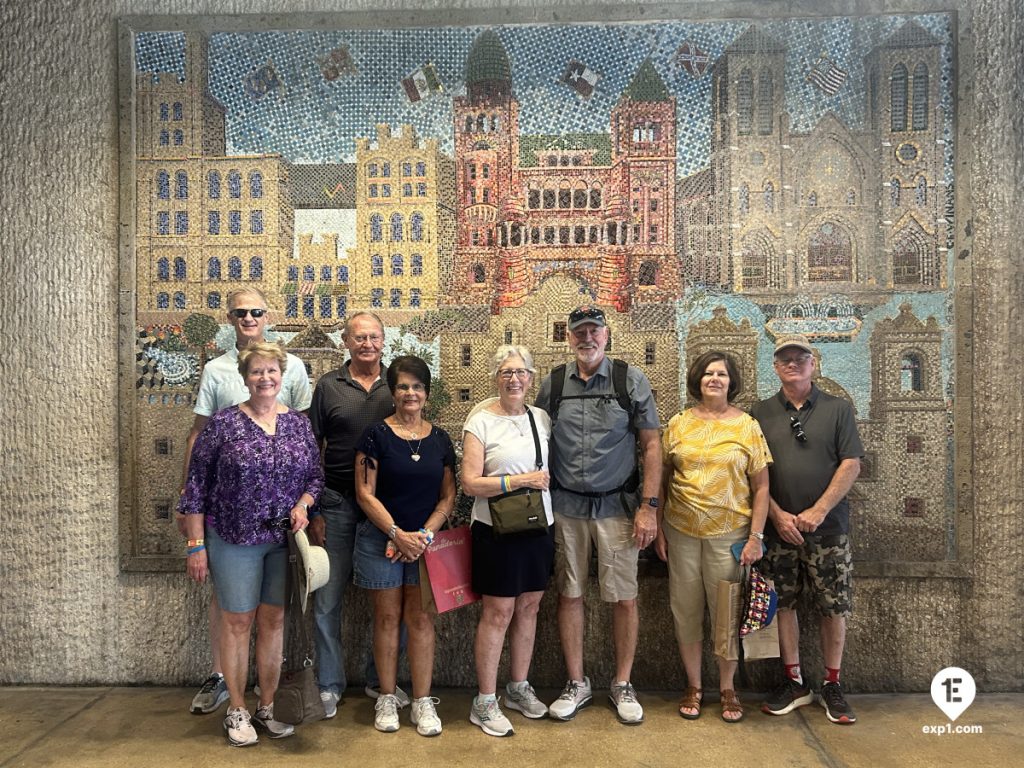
{"type": "Point", "coordinates": [143, 727]}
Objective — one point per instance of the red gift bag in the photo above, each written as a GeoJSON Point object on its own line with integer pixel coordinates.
{"type": "Point", "coordinates": [446, 571]}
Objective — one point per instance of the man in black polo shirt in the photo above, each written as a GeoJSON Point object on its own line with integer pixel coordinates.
{"type": "Point", "coordinates": [813, 439]}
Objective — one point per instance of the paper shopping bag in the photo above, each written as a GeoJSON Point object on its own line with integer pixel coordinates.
{"type": "Point", "coordinates": [448, 566]}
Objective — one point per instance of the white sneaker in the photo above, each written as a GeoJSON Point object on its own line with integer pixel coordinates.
{"type": "Point", "coordinates": [373, 691]}
{"type": "Point", "coordinates": [424, 716]}
{"type": "Point", "coordinates": [575, 696]}
{"type": "Point", "coordinates": [524, 699]}
{"type": "Point", "coordinates": [238, 727]}
{"type": "Point", "coordinates": [210, 696]}
{"type": "Point", "coordinates": [264, 718]}
{"type": "Point", "coordinates": [330, 701]}
{"type": "Point", "coordinates": [623, 698]}
{"type": "Point", "coordinates": [490, 718]}
{"type": "Point", "coordinates": [386, 717]}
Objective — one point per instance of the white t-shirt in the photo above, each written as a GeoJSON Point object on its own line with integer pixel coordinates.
{"type": "Point", "coordinates": [222, 386]}
{"type": "Point", "coordinates": [509, 450]}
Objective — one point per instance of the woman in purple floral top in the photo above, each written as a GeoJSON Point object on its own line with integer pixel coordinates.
{"type": "Point", "coordinates": [254, 473]}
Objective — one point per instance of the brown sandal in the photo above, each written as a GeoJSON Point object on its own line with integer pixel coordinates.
{"type": "Point", "coordinates": [731, 703]}
{"type": "Point", "coordinates": [692, 698]}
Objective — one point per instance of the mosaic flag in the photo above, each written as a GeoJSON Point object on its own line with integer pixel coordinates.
{"type": "Point", "coordinates": [692, 59]}
{"type": "Point", "coordinates": [580, 78]}
{"type": "Point", "coordinates": [826, 75]}
{"type": "Point", "coordinates": [337, 63]}
{"type": "Point", "coordinates": [421, 83]}
{"type": "Point", "coordinates": [262, 81]}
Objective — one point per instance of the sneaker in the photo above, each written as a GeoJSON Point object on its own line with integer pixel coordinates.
{"type": "Point", "coordinates": [373, 691]}
{"type": "Point", "coordinates": [238, 727]}
{"type": "Point", "coordinates": [788, 696]}
{"type": "Point", "coordinates": [275, 729]}
{"type": "Point", "coordinates": [330, 701]}
{"type": "Point", "coordinates": [386, 709]}
{"type": "Point", "coordinates": [525, 700]}
{"type": "Point", "coordinates": [623, 697]}
{"type": "Point", "coordinates": [424, 716]}
{"type": "Point", "coordinates": [209, 698]}
{"type": "Point", "coordinates": [575, 696]}
{"type": "Point", "coordinates": [836, 708]}
{"type": "Point", "coordinates": [488, 715]}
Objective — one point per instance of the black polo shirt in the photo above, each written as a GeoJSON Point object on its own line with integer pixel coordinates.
{"type": "Point", "coordinates": [803, 470]}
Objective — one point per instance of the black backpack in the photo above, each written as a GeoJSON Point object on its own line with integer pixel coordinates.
{"type": "Point", "coordinates": [619, 368]}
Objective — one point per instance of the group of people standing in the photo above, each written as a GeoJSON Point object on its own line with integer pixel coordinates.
{"type": "Point", "coordinates": [719, 490]}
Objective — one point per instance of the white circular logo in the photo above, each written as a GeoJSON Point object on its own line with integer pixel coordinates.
{"type": "Point", "coordinates": [953, 691]}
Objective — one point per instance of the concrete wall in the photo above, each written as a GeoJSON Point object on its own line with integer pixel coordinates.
{"type": "Point", "coordinates": [68, 615]}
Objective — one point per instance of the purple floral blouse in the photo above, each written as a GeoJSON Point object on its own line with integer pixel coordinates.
{"type": "Point", "coordinates": [244, 480]}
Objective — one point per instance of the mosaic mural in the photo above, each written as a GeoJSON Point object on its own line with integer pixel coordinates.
{"type": "Point", "coordinates": [712, 184]}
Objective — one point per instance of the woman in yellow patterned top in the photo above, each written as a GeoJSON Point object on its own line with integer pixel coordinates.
{"type": "Point", "coordinates": [715, 488]}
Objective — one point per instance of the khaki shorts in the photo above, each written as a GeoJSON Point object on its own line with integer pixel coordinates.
{"type": "Point", "coordinates": [617, 553]}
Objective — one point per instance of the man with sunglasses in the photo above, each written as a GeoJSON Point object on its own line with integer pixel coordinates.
{"type": "Point", "coordinates": [601, 412]}
{"type": "Point", "coordinates": [817, 449]}
{"type": "Point", "coordinates": [220, 387]}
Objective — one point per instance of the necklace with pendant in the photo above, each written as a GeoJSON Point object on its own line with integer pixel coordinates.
{"type": "Point", "coordinates": [415, 452]}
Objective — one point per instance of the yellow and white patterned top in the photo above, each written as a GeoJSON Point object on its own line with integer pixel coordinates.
{"type": "Point", "coordinates": [711, 464]}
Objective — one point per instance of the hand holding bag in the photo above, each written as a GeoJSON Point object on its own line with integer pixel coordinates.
{"type": "Point", "coordinates": [521, 512]}
{"type": "Point", "coordinates": [446, 571]}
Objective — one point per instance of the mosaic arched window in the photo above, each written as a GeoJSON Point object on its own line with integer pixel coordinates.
{"type": "Point", "coordinates": [744, 199]}
{"type": "Point", "coordinates": [414, 297]}
{"type": "Point", "coordinates": [595, 196]}
{"type": "Point", "coordinates": [256, 268]}
{"type": "Point", "coordinates": [180, 269]}
{"type": "Point", "coordinates": [421, 169]}
{"type": "Point", "coordinates": [343, 274]}
{"type": "Point", "coordinates": [758, 268]}
{"type": "Point", "coordinates": [407, 168]}
{"type": "Point", "coordinates": [291, 306]}
{"type": "Point", "coordinates": [213, 222]}
{"type": "Point", "coordinates": [326, 273]}
{"type": "Point", "coordinates": [396, 227]}
{"type": "Point", "coordinates": [407, 190]}
{"type": "Point", "coordinates": [376, 265]}
{"type": "Point", "coordinates": [829, 254]}
{"type": "Point", "coordinates": [416, 264]}
{"type": "Point", "coordinates": [213, 300]}
{"type": "Point", "coordinates": [342, 305]}
{"type": "Point", "coordinates": [326, 306]}
{"type": "Point", "coordinates": [235, 222]}
{"type": "Point", "coordinates": [921, 191]}
{"type": "Point", "coordinates": [919, 113]}
{"type": "Point", "coordinates": [376, 227]}
{"type": "Point", "coordinates": [377, 298]}
{"type": "Point", "coordinates": [256, 222]}
{"type": "Point", "coordinates": [396, 298]}
{"type": "Point", "coordinates": [234, 268]}
{"type": "Point", "coordinates": [181, 185]}
{"type": "Point", "coordinates": [579, 195]}
{"type": "Point", "coordinates": [385, 170]}
{"type": "Point", "coordinates": [293, 273]}
{"type": "Point", "coordinates": [769, 197]}
{"type": "Point", "coordinates": [163, 223]}
{"type": "Point", "coordinates": [648, 274]}
{"type": "Point", "coordinates": [163, 185]}
{"type": "Point", "coordinates": [179, 112]}
{"type": "Point", "coordinates": [308, 306]}
{"type": "Point", "coordinates": [416, 227]}
{"type": "Point", "coordinates": [564, 195]}
{"type": "Point", "coordinates": [745, 102]}
{"type": "Point", "coordinates": [765, 102]}
{"type": "Point", "coordinates": [898, 98]}
{"type": "Point", "coordinates": [165, 111]}
{"type": "Point", "coordinates": [234, 184]}
{"type": "Point", "coordinates": [162, 301]}
{"type": "Point", "coordinates": [213, 268]}
{"type": "Point", "coordinates": [255, 184]}
{"type": "Point", "coordinates": [911, 259]}
{"type": "Point", "coordinates": [397, 265]}
{"type": "Point", "coordinates": [181, 222]}
{"type": "Point", "coordinates": [911, 373]}
{"type": "Point", "coordinates": [179, 300]}
{"type": "Point", "coordinates": [894, 192]}
{"type": "Point", "coordinates": [179, 138]}
{"type": "Point", "coordinates": [165, 138]}
{"type": "Point", "coordinates": [308, 273]}
{"type": "Point", "coordinates": [213, 185]}
{"type": "Point", "coordinates": [163, 269]}
{"type": "Point", "coordinates": [372, 170]}
{"type": "Point", "coordinates": [479, 273]}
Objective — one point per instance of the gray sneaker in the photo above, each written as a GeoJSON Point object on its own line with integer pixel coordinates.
{"type": "Point", "coordinates": [373, 691]}
{"type": "Point", "coordinates": [238, 727]}
{"type": "Point", "coordinates": [330, 701]}
{"type": "Point", "coordinates": [275, 729]}
{"type": "Point", "coordinates": [385, 718]}
{"type": "Point", "coordinates": [525, 700]}
{"type": "Point", "coordinates": [623, 697]}
{"type": "Point", "coordinates": [489, 717]}
{"type": "Point", "coordinates": [209, 698]}
{"type": "Point", "coordinates": [575, 696]}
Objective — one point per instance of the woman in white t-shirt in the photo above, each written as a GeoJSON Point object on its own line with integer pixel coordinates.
{"type": "Point", "coordinates": [510, 572]}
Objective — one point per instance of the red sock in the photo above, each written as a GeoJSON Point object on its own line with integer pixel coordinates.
{"type": "Point", "coordinates": [831, 674]}
{"type": "Point", "coordinates": [793, 673]}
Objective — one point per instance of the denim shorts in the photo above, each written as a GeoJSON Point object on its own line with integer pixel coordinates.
{"type": "Point", "coordinates": [246, 575]}
{"type": "Point", "coordinates": [371, 569]}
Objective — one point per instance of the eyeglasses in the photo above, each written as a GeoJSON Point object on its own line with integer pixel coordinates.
{"type": "Point", "coordinates": [241, 312]}
{"type": "Point", "coordinates": [373, 338]}
{"type": "Point", "coordinates": [417, 387]}
{"type": "Point", "coordinates": [507, 373]}
{"type": "Point", "coordinates": [784, 362]}
{"type": "Point", "coordinates": [798, 429]}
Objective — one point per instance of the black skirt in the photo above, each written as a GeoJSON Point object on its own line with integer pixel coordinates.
{"type": "Point", "coordinates": [508, 566]}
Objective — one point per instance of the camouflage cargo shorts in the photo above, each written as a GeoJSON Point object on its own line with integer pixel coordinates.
{"type": "Point", "coordinates": [821, 566]}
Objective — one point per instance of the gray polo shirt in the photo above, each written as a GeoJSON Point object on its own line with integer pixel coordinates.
{"type": "Point", "coordinates": [802, 471]}
{"type": "Point", "coordinates": [593, 448]}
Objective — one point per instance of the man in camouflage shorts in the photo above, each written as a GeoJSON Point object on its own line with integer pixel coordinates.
{"type": "Point", "coordinates": [814, 441]}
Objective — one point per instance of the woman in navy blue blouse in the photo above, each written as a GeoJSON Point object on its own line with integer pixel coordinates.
{"type": "Point", "coordinates": [254, 473]}
{"type": "Point", "coordinates": [405, 483]}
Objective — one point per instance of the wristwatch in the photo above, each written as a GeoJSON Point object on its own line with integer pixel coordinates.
{"type": "Point", "coordinates": [652, 502]}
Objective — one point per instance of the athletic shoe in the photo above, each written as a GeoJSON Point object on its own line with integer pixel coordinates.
{"type": "Point", "coordinates": [788, 696]}
{"type": "Point", "coordinates": [373, 691]}
{"type": "Point", "coordinates": [623, 698]}
{"type": "Point", "coordinates": [836, 708]}
{"type": "Point", "coordinates": [209, 698]}
{"type": "Point", "coordinates": [275, 729]}
{"type": "Point", "coordinates": [490, 718]}
{"type": "Point", "coordinates": [238, 727]}
{"type": "Point", "coordinates": [386, 717]}
{"type": "Point", "coordinates": [525, 700]}
{"type": "Point", "coordinates": [330, 701]}
{"type": "Point", "coordinates": [424, 716]}
{"type": "Point", "coordinates": [575, 696]}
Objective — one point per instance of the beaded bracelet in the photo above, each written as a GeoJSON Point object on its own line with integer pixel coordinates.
{"type": "Point", "coordinates": [194, 542]}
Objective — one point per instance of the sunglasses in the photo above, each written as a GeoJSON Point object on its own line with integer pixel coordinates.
{"type": "Point", "coordinates": [241, 312]}
{"type": "Point", "coordinates": [586, 313]}
{"type": "Point", "coordinates": [798, 429]}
